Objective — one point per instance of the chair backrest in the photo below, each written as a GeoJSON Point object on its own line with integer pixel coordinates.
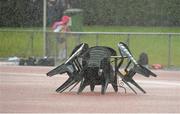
{"type": "Point", "coordinates": [72, 64]}
{"type": "Point", "coordinates": [77, 51]}
{"type": "Point", "coordinates": [75, 56]}
{"type": "Point", "coordinates": [125, 52]}
{"type": "Point", "coordinates": [96, 55]}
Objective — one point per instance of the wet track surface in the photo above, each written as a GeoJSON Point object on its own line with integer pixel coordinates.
{"type": "Point", "coordinates": [28, 89]}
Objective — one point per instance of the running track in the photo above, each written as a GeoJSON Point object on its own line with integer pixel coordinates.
{"type": "Point", "coordinates": [27, 89]}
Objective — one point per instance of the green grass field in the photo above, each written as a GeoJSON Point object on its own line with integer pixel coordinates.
{"type": "Point", "coordinates": [131, 29]}
{"type": "Point", "coordinates": [24, 44]}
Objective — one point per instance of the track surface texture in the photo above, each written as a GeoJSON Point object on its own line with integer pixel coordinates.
{"type": "Point", "coordinates": [26, 89]}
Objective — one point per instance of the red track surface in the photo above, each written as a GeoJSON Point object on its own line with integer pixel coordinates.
{"type": "Point", "coordinates": [28, 89]}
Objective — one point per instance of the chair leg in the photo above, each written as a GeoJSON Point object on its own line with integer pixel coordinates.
{"type": "Point", "coordinates": [74, 86]}
{"type": "Point", "coordinates": [129, 86]}
{"type": "Point", "coordinates": [82, 86]}
{"type": "Point", "coordinates": [70, 84]}
{"type": "Point", "coordinates": [58, 70]}
{"type": "Point", "coordinates": [104, 86]}
{"type": "Point", "coordinates": [65, 84]}
{"type": "Point", "coordinates": [129, 78]}
{"type": "Point", "coordinates": [114, 85]}
{"type": "Point", "coordinates": [92, 87]}
{"type": "Point", "coordinates": [135, 84]}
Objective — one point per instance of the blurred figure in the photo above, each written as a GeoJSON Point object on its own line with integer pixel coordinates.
{"type": "Point", "coordinates": [62, 25]}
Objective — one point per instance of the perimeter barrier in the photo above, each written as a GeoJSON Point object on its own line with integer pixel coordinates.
{"type": "Point", "coordinates": [161, 48]}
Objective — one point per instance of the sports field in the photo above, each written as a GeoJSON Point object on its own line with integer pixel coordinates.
{"type": "Point", "coordinates": [27, 89]}
{"type": "Point", "coordinates": [16, 42]}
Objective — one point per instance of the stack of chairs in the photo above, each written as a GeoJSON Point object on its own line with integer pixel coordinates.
{"type": "Point", "coordinates": [72, 66]}
{"type": "Point", "coordinates": [97, 69]}
{"type": "Point", "coordinates": [135, 68]}
{"type": "Point", "coordinates": [91, 66]}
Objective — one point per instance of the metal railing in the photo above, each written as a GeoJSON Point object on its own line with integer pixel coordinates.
{"type": "Point", "coordinates": [161, 47]}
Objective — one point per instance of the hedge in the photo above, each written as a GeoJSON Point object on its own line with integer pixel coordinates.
{"type": "Point", "coordinates": [29, 13]}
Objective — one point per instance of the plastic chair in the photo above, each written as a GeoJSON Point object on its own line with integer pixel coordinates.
{"type": "Point", "coordinates": [97, 69]}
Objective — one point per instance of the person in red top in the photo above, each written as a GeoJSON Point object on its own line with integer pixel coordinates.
{"type": "Point", "coordinates": [62, 25]}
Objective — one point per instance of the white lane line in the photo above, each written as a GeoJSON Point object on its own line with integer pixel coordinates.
{"type": "Point", "coordinates": [152, 82]}
{"type": "Point", "coordinates": [167, 83]}
{"type": "Point", "coordinates": [27, 74]}
{"type": "Point", "coordinates": [20, 74]}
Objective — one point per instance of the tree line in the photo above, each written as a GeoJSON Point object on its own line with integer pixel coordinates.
{"type": "Point", "coordinates": [19, 13]}
{"type": "Point", "coordinates": [131, 12]}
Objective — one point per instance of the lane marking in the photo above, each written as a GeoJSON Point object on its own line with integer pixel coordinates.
{"type": "Point", "coordinates": [29, 74]}
{"type": "Point", "coordinates": [167, 83]}
{"type": "Point", "coordinates": [152, 82]}
{"type": "Point", "coordinates": [21, 74]}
